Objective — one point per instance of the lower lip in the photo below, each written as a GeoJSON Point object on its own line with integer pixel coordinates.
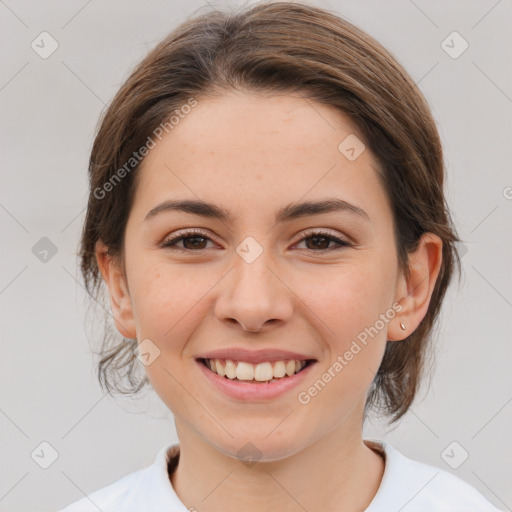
{"type": "Point", "coordinates": [253, 391]}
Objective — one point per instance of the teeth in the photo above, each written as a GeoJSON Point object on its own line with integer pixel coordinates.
{"type": "Point", "coordinates": [216, 366]}
{"type": "Point", "coordinates": [260, 372]}
{"type": "Point", "coordinates": [230, 368]}
{"type": "Point", "coordinates": [279, 369]}
{"type": "Point", "coordinates": [290, 368]}
{"type": "Point", "coordinates": [245, 371]}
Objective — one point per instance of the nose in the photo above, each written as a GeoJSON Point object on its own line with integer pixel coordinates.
{"type": "Point", "coordinates": [254, 296]}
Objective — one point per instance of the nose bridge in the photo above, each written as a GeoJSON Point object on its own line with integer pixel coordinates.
{"type": "Point", "coordinates": [253, 277]}
{"type": "Point", "coordinates": [254, 293]}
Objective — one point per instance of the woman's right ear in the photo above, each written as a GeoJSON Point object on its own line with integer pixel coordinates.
{"type": "Point", "coordinates": [120, 300]}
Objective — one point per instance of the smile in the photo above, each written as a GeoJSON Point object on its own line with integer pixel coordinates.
{"type": "Point", "coordinates": [254, 382]}
{"type": "Point", "coordinates": [262, 372]}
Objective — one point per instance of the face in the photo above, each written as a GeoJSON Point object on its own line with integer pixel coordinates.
{"type": "Point", "coordinates": [311, 284]}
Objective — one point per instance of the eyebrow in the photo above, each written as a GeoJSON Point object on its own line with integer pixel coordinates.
{"type": "Point", "coordinates": [285, 214]}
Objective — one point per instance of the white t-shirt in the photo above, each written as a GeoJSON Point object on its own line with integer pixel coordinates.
{"type": "Point", "coordinates": [406, 486]}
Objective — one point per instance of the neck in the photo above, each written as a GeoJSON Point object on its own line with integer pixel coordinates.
{"type": "Point", "coordinates": [338, 472]}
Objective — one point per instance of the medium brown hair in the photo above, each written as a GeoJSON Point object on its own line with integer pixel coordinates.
{"type": "Point", "coordinates": [276, 48]}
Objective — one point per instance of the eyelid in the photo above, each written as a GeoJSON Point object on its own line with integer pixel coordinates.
{"type": "Point", "coordinates": [186, 233]}
{"type": "Point", "coordinates": [177, 237]}
{"type": "Point", "coordinates": [323, 231]}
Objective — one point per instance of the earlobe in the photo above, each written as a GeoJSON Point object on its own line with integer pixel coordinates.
{"type": "Point", "coordinates": [120, 300]}
{"type": "Point", "coordinates": [415, 290]}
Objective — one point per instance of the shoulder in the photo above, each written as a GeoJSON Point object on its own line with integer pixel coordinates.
{"type": "Point", "coordinates": [146, 489]}
{"type": "Point", "coordinates": [412, 486]}
{"type": "Point", "coordinates": [112, 496]}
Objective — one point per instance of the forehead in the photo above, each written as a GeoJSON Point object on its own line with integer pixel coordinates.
{"type": "Point", "coordinates": [254, 151]}
{"type": "Point", "coordinates": [240, 124]}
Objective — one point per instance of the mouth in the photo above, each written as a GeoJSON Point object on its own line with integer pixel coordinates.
{"type": "Point", "coordinates": [255, 383]}
{"type": "Point", "coordinates": [262, 373]}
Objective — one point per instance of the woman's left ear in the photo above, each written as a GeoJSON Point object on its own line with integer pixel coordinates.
{"type": "Point", "coordinates": [413, 292]}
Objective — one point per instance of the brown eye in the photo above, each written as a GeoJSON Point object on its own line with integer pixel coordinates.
{"type": "Point", "coordinates": [192, 241]}
{"type": "Point", "coordinates": [318, 241]}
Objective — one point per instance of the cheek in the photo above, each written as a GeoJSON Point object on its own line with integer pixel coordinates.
{"type": "Point", "coordinates": [352, 313]}
{"type": "Point", "coordinates": [348, 298]}
{"type": "Point", "coordinates": [168, 300]}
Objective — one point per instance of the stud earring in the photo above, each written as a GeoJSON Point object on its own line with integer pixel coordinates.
{"type": "Point", "coordinates": [402, 326]}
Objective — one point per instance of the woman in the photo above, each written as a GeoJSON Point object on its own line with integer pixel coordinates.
{"type": "Point", "coordinates": [267, 213]}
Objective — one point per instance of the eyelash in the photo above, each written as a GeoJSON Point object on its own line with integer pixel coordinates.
{"type": "Point", "coordinates": [170, 243]}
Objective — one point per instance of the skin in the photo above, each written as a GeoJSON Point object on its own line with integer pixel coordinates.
{"type": "Point", "coordinates": [253, 155]}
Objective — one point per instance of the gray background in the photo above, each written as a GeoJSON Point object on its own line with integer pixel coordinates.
{"type": "Point", "coordinates": [49, 111]}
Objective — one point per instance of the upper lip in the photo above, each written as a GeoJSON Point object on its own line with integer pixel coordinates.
{"type": "Point", "coordinates": [253, 356]}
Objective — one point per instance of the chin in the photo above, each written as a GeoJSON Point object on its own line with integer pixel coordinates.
{"type": "Point", "coordinates": [258, 448]}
